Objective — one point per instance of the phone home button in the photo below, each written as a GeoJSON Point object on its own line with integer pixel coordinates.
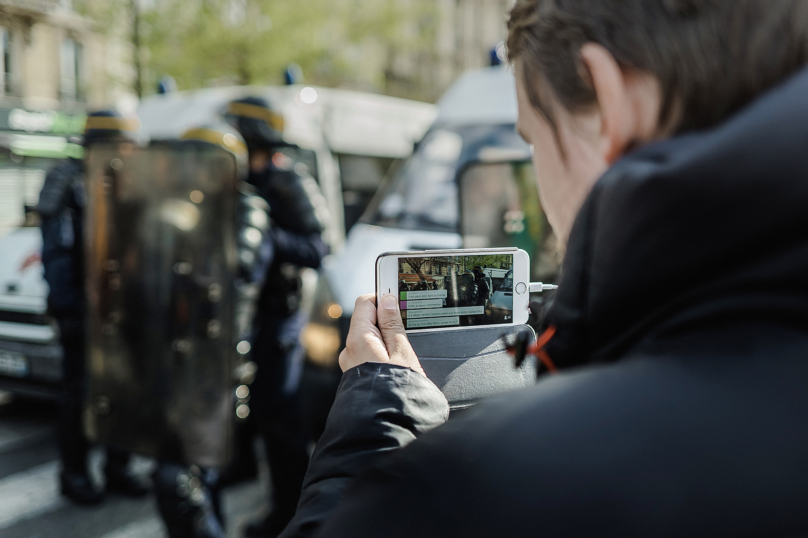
{"type": "Point", "coordinates": [521, 288]}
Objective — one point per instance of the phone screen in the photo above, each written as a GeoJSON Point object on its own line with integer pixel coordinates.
{"type": "Point", "coordinates": [455, 291]}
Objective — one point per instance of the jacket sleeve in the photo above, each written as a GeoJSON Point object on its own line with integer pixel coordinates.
{"type": "Point", "coordinates": [55, 190]}
{"type": "Point", "coordinates": [296, 203]}
{"type": "Point", "coordinates": [304, 250]}
{"type": "Point", "coordinates": [379, 408]}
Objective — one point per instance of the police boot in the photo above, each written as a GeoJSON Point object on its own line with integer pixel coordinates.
{"type": "Point", "coordinates": [123, 482]}
{"type": "Point", "coordinates": [185, 502]}
{"type": "Point", "coordinates": [120, 479]}
{"type": "Point", "coordinates": [79, 488]}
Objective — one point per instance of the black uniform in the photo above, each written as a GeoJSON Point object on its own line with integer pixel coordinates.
{"type": "Point", "coordinates": [61, 207]}
{"type": "Point", "coordinates": [61, 204]}
{"type": "Point", "coordinates": [483, 289]}
{"type": "Point", "coordinates": [483, 292]}
{"type": "Point", "coordinates": [684, 306]}
{"type": "Point", "coordinates": [295, 209]}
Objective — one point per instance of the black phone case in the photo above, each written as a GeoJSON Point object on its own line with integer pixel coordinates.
{"type": "Point", "coordinates": [470, 364]}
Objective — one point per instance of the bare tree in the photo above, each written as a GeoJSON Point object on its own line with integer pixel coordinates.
{"type": "Point", "coordinates": [417, 264]}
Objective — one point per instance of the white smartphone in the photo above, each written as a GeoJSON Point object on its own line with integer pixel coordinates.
{"type": "Point", "coordinates": [456, 289]}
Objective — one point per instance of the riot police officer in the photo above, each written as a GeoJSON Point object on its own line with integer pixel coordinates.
{"type": "Point", "coordinates": [61, 207]}
{"type": "Point", "coordinates": [483, 288]}
{"type": "Point", "coordinates": [297, 211]}
{"type": "Point", "coordinates": [188, 494]}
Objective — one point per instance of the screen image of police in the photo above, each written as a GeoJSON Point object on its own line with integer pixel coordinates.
{"type": "Point", "coordinates": [455, 291]}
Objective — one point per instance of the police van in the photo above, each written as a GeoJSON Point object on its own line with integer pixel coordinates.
{"type": "Point", "coordinates": [347, 139]}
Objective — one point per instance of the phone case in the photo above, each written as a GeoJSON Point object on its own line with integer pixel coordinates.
{"type": "Point", "coordinates": [471, 364]}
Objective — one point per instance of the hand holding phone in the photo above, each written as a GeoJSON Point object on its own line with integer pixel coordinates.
{"type": "Point", "coordinates": [456, 289]}
{"type": "Point", "coordinates": [377, 335]}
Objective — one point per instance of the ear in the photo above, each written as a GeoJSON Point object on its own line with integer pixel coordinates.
{"type": "Point", "coordinates": [617, 111]}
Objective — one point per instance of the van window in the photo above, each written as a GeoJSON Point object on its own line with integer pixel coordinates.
{"type": "Point", "coordinates": [507, 283]}
{"type": "Point", "coordinates": [423, 195]}
{"type": "Point", "coordinates": [361, 177]}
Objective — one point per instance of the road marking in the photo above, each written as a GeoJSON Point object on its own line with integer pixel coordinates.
{"type": "Point", "coordinates": [145, 528]}
{"type": "Point", "coordinates": [14, 435]}
{"type": "Point", "coordinates": [30, 493]}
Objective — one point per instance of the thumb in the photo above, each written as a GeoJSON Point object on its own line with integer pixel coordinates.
{"type": "Point", "coordinates": [394, 336]}
{"type": "Point", "coordinates": [390, 322]}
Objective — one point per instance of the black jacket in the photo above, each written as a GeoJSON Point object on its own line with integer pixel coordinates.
{"type": "Point", "coordinates": [682, 324]}
{"type": "Point", "coordinates": [60, 209]}
{"type": "Point", "coordinates": [299, 214]}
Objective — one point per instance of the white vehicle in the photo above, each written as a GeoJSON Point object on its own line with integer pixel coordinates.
{"type": "Point", "coordinates": [498, 308]}
{"type": "Point", "coordinates": [30, 354]}
{"type": "Point", "coordinates": [30, 144]}
{"type": "Point", "coordinates": [340, 134]}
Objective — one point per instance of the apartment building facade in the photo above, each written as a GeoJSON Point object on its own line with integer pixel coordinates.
{"type": "Point", "coordinates": [53, 68]}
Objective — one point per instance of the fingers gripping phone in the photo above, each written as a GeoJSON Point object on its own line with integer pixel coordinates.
{"type": "Point", "coordinates": [441, 290]}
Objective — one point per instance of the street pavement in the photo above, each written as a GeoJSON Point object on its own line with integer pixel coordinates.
{"type": "Point", "coordinates": [30, 503]}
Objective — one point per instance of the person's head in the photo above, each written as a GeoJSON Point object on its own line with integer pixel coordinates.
{"type": "Point", "coordinates": [596, 79]}
{"type": "Point", "coordinates": [107, 127]}
{"type": "Point", "coordinates": [477, 270]}
{"type": "Point", "coordinates": [224, 136]}
{"type": "Point", "coordinates": [261, 127]}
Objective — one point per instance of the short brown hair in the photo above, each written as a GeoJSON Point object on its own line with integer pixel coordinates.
{"type": "Point", "coordinates": [711, 57]}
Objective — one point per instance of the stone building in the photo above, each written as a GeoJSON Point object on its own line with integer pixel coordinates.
{"type": "Point", "coordinates": [54, 66]}
{"type": "Point", "coordinates": [52, 58]}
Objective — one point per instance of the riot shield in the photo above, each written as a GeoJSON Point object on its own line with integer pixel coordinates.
{"type": "Point", "coordinates": [161, 265]}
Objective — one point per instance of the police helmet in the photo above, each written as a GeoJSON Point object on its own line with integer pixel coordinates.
{"type": "Point", "coordinates": [226, 137]}
{"type": "Point", "coordinates": [260, 126]}
{"type": "Point", "coordinates": [108, 126]}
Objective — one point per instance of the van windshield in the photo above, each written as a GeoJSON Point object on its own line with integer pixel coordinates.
{"type": "Point", "coordinates": [424, 194]}
{"type": "Point", "coordinates": [507, 282]}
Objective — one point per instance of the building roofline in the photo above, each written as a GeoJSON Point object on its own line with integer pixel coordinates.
{"type": "Point", "coordinates": [40, 11]}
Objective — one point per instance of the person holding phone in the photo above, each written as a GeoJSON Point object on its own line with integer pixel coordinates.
{"type": "Point", "coordinates": [669, 146]}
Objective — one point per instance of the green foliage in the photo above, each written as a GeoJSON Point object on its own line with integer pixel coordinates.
{"type": "Point", "coordinates": [204, 42]}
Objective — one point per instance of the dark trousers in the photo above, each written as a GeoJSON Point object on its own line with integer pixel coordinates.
{"type": "Point", "coordinates": [276, 404]}
{"type": "Point", "coordinates": [73, 443]}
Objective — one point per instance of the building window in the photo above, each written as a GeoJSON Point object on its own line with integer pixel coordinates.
{"type": "Point", "coordinates": [72, 60]}
{"type": "Point", "coordinates": [6, 82]}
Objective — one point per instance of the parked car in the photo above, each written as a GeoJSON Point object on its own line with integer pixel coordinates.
{"type": "Point", "coordinates": [499, 307]}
